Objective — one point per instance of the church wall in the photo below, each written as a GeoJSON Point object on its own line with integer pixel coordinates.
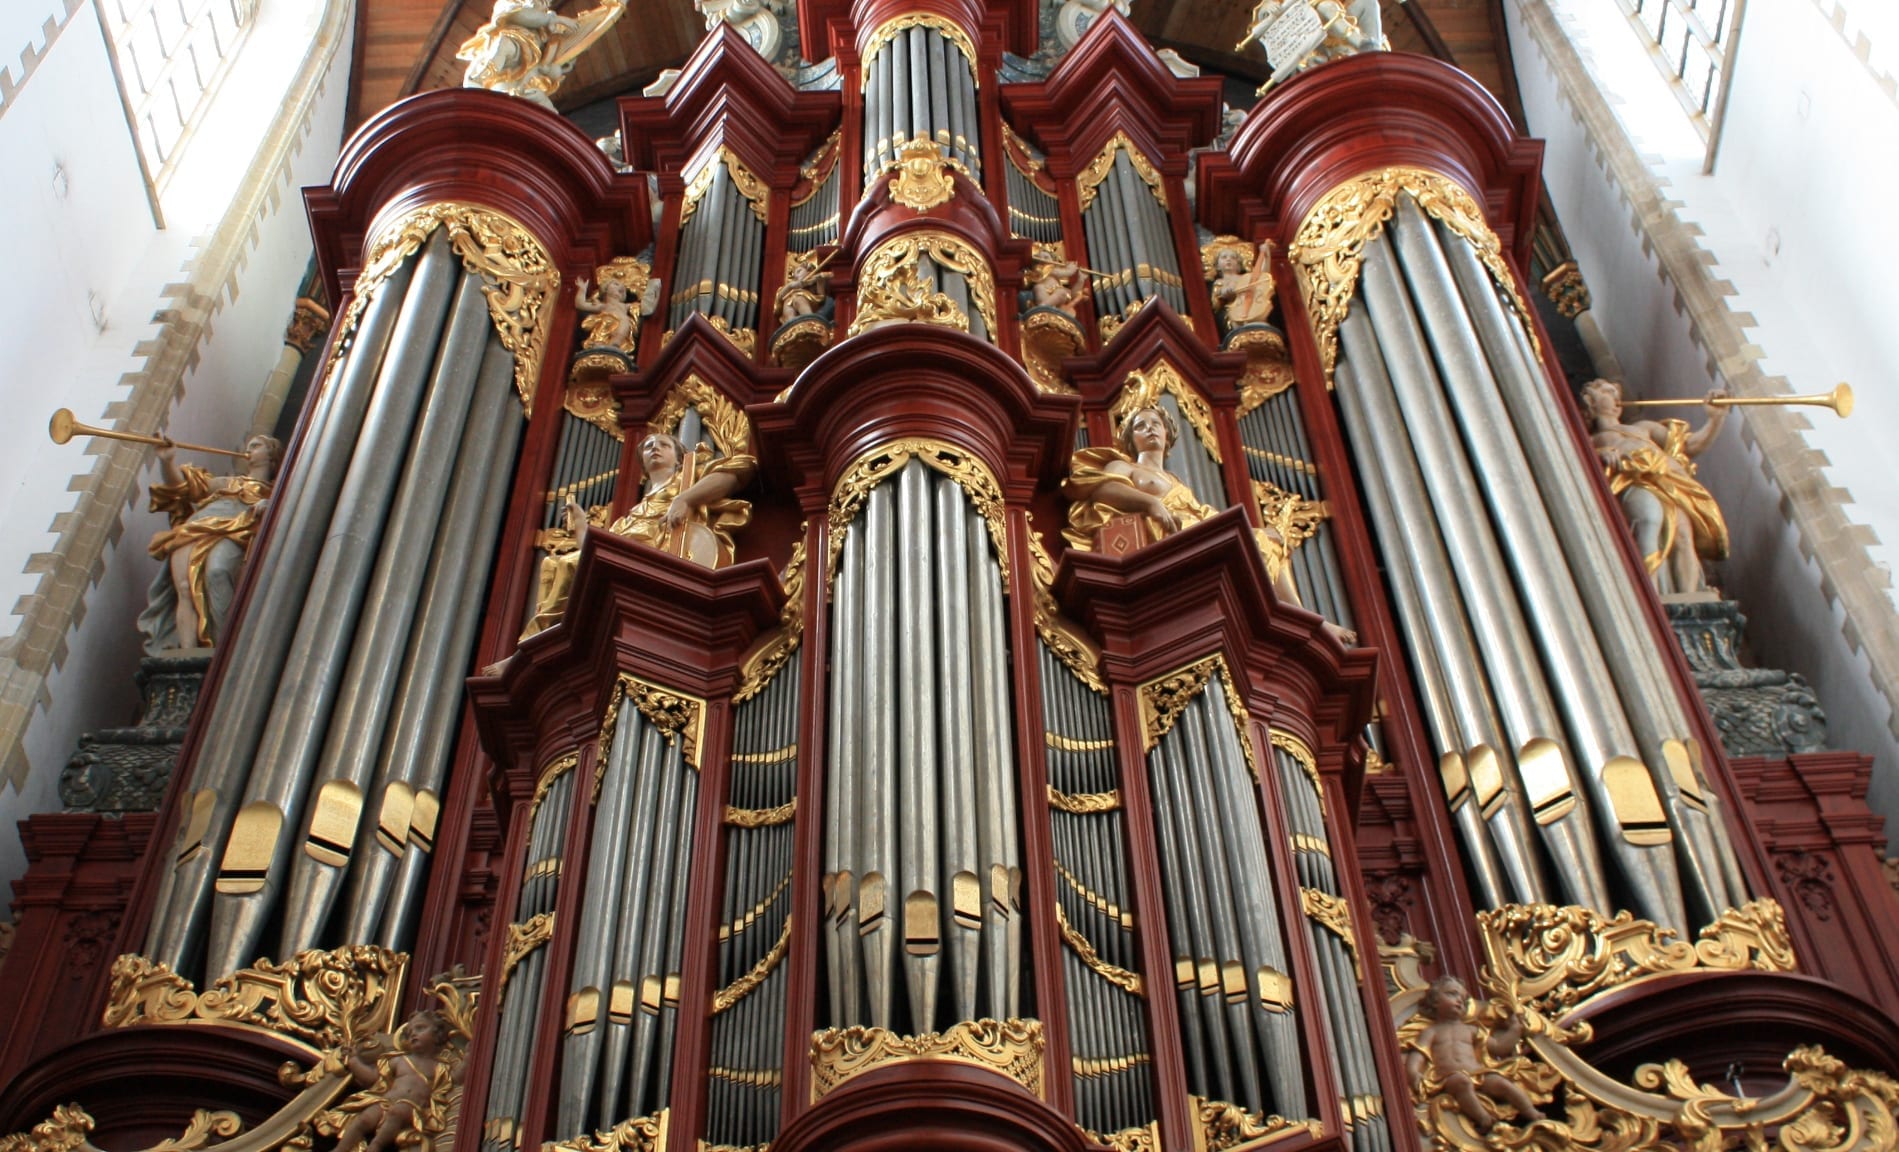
{"type": "Point", "coordinates": [1755, 279]}
{"type": "Point", "coordinates": [193, 320]}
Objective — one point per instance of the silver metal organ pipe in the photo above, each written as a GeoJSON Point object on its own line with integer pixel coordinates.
{"type": "Point", "coordinates": [414, 753]}
{"type": "Point", "coordinates": [995, 780]}
{"type": "Point", "coordinates": [922, 127]}
{"type": "Point", "coordinates": [897, 51]}
{"type": "Point", "coordinates": [917, 706]}
{"type": "Point", "coordinates": [256, 650]}
{"type": "Point", "coordinates": [307, 686]}
{"type": "Point", "coordinates": [1654, 709]}
{"type": "Point", "coordinates": [878, 894]}
{"type": "Point", "coordinates": [363, 703]}
{"type": "Point", "coordinates": [1445, 661]}
{"type": "Point", "coordinates": [841, 785]}
{"type": "Point", "coordinates": [962, 913]}
{"type": "Point", "coordinates": [1595, 718]}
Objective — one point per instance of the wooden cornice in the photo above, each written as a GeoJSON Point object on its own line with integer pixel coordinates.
{"type": "Point", "coordinates": [1155, 332]}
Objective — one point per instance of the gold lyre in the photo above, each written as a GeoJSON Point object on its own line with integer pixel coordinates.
{"type": "Point", "coordinates": [62, 427]}
{"type": "Point", "coordinates": [1840, 400]}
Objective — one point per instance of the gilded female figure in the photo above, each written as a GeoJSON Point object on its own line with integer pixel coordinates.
{"type": "Point", "coordinates": [213, 520]}
{"type": "Point", "coordinates": [1651, 472]}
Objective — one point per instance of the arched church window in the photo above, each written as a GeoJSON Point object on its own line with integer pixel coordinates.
{"type": "Point", "coordinates": [1690, 42]}
{"type": "Point", "coordinates": [171, 57]}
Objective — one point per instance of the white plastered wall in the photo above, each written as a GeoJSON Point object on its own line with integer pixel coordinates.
{"type": "Point", "coordinates": [100, 307]}
{"type": "Point", "coordinates": [1768, 275]}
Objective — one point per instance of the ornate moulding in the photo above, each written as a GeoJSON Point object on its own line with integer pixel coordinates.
{"type": "Point", "coordinates": [1011, 1048]}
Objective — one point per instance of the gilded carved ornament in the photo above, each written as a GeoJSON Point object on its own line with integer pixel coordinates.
{"type": "Point", "coordinates": [591, 399]}
{"type": "Point", "coordinates": [1825, 1106]}
{"type": "Point", "coordinates": [555, 769]}
{"type": "Point", "coordinates": [1084, 950]}
{"type": "Point", "coordinates": [316, 1000]}
{"type": "Point", "coordinates": [774, 651]}
{"type": "Point", "coordinates": [1065, 639]}
{"type": "Point", "coordinates": [761, 817]}
{"type": "Point", "coordinates": [742, 987]}
{"type": "Point", "coordinates": [1011, 1047]}
{"type": "Point", "coordinates": [518, 278]}
{"type": "Point", "coordinates": [641, 1134]}
{"type": "Point", "coordinates": [1329, 248]}
{"type": "Point", "coordinates": [1219, 1126]}
{"type": "Point", "coordinates": [890, 288]}
{"type": "Point", "coordinates": [881, 463]}
{"type": "Point", "coordinates": [1088, 183]}
{"type": "Point", "coordinates": [950, 30]}
{"type": "Point", "coordinates": [1164, 699]}
{"type": "Point", "coordinates": [756, 192]}
{"type": "Point", "coordinates": [731, 431]}
{"type": "Point", "coordinates": [1143, 390]}
{"type": "Point", "coordinates": [523, 939]}
{"type": "Point", "coordinates": [923, 178]}
{"type": "Point", "coordinates": [1296, 748]}
{"type": "Point", "coordinates": [69, 1129]}
{"type": "Point", "coordinates": [676, 715]}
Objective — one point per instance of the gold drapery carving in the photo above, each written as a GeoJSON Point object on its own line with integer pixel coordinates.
{"type": "Point", "coordinates": [518, 276]}
{"type": "Point", "coordinates": [1084, 950]}
{"type": "Point", "coordinates": [678, 717]}
{"type": "Point", "coordinates": [1330, 245]}
{"type": "Point", "coordinates": [1144, 389]}
{"type": "Point", "coordinates": [1084, 803]}
{"type": "Point", "coordinates": [951, 31]}
{"type": "Point", "coordinates": [1089, 182]}
{"type": "Point", "coordinates": [316, 1000]}
{"type": "Point", "coordinates": [757, 193]}
{"type": "Point", "coordinates": [633, 275]}
{"type": "Point", "coordinates": [761, 817]}
{"type": "Point", "coordinates": [773, 652]}
{"type": "Point", "coordinates": [1011, 1047]}
{"type": "Point", "coordinates": [1560, 958]}
{"type": "Point", "coordinates": [738, 989]}
{"type": "Point", "coordinates": [726, 421]}
{"type": "Point", "coordinates": [889, 287]}
{"type": "Point", "coordinates": [883, 462]}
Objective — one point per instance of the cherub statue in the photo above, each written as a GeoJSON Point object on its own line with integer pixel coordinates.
{"type": "Point", "coordinates": [611, 321]}
{"type": "Point", "coordinates": [687, 509]}
{"type": "Point", "coordinates": [1448, 1053]}
{"type": "Point", "coordinates": [1242, 280]}
{"type": "Point", "coordinates": [526, 48]}
{"type": "Point", "coordinates": [807, 287]}
{"type": "Point", "coordinates": [405, 1086]}
{"type": "Point", "coordinates": [1651, 472]}
{"type": "Point", "coordinates": [213, 521]}
{"type": "Point", "coordinates": [1051, 281]}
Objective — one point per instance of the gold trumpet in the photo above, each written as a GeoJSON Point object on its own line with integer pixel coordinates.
{"type": "Point", "coordinates": [1840, 400]}
{"type": "Point", "coordinates": [62, 427]}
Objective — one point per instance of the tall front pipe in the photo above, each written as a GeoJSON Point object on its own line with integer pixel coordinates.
{"type": "Point", "coordinates": [962, 912]}
{"type": "Point", "coordinates": [878, 894]}
{"type": "Point", "coordinates": [916, 706]}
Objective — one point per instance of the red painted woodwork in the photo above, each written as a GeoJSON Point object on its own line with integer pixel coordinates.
{"type": "Point", "coordinates": [938, 1105]}
{"type": "Point", "coordinates": [1826, 850]}
{"type": "Point", "coordinates": [826, 26]}
{"type": "Point", "coordinates": [67, 912]}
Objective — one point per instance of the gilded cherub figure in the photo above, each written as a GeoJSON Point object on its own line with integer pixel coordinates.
{"type": "Point", "coordinates": [1051, 282]}
{"type": "Point", "coordinates": [610, 319]}
{"type": "Point", "coordinates": [807, 287]}
{"type": "Point", "coordinates": [1651, 472]}
{"type": "Point", "coordinates": [1452, 1055]}
{"type": "Point", "coordinates": [213, 521]}
{"type": "Point", "coordinates": [404, 1086]}
{"type": "Point", "coordinates": [526, 48]}
{"type": "Point", "coordinates": [1242, 278]}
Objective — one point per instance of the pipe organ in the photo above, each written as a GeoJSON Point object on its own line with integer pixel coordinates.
{"type": "Point", "coordinates": [833, 796]}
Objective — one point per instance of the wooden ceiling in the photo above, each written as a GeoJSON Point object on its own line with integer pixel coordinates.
{"type": "Point", "coordinates": [408, 46]}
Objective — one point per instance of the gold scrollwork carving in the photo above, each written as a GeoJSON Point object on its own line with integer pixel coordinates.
{"type": "Point", "coordinates": [1143, 1139]}
{"type": "Point", "coordinates": [744, 339]}
{"type": "Point", "coordinates": [761, 817]}
{"type": "Point", "coordinates": [1084, 950]}
{"type": "Point", "coordinates": [1164, 698]}
{"type": "Point", "coordinates": [1073, 647]}
{"type": "Point", "coordinates": [677, 716]}
{"type": "Point", "coordinates": [774, 651]}
{"type": "Point", "coordinates": [315, 999]}
{"type": "Point", "coordinates": [923, 178]}
{"type": "Point", "coordinates": [1565, 288]}
{"type": "Point", "coordinates": [641, 1134]}
{"type": "Point", "coordinates": [1144, 389]}
{"type": "Point", "coordinates": [881, 463]}
{"type": "Point", "coordinates": [1333, 914]}
{"type": "Point", "coordinates": [1296, 748]}
{"type": "Point", "coordinates": [1560, 958]}
{"type": "Point", "coordinates": [950, 30]}
{"type": "Point", "coordinates": [1089, 182]}
{"type": "Point", "coordinates": [69, 1129]}
{"type": "Point", "coordinates": [1222, 1125]}
{"type": "Point", "coordinates": [590, 399]}
{"type": "Point", "coordinates": [1084, 803]}
{"type": "Point", "coordinates": [756, 192]}
{"type": "Point", "coordinates": [738, 989]}
{"type": "Point", "coordinates": [555, 769]}
{"type": "Point", "coordinates": [890, 288]}
{"type": "Point", "coordinates": [731, 430]}
{"type": "Point", "coordinates": [1011, 1047]}
{"type": "Point", "coordinates": [1330, 246]}
{"type": "Point", "coordinates": [523, 938]}
{"type": "Point", "coordinates": [518, 278]}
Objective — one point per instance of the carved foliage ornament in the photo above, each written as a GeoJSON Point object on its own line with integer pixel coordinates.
{"type": "Point", "coordinates": [554, 770]}
{"type": "Point", "coordinates": [592, 400]}
{"type": "Point", "coordinates": [641, 1134]}
{"type": "Point", "coordinates": [1222, 1125]}
{"type": "Point", "coordinates": [316, 1000]}
{"type": "Point", "coordinates": [518, 278]}
{"type": "Point", "coordinates": [891, 288]}
{"type": "Point", "coordinates": [1010, 1047]}
{"type": "Point", "coordinates": [1330, 246]}
{"type": "Point", "coordinates": [1072, 646]}
{"type": "Point", "coordinates": [774, 651]}
{"type": "Point", "coordinates": [1164, 698]}
{"type": "Point", "coordinates": [724, 420]}
{"type": "Point", "coordinates": [69, 1129]}
{"type": "Point", "coordinates": [1144, 389]}
{"type": "Point", "coordinates": [756, 192]}
{"type": "Point", "coordinates": [879, 464]}
{"type": "Point", "coordinates": [523, 939]}
{"type": "Point", "coordinates": [676, 715]}
{"type": "Point", "coordinates": [1089, 182]}
{"type": "Point", "coordinates": [1559, 958]}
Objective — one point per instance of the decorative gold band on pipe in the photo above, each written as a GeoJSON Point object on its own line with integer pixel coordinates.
{"type": "Point", "coordinates": [1840, 400]}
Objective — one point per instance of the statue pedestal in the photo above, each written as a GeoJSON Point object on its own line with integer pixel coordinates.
{"type": "Point", "coordinates": [1758, 711]}
{"type": "Point", "coordinates": [119, 770]}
